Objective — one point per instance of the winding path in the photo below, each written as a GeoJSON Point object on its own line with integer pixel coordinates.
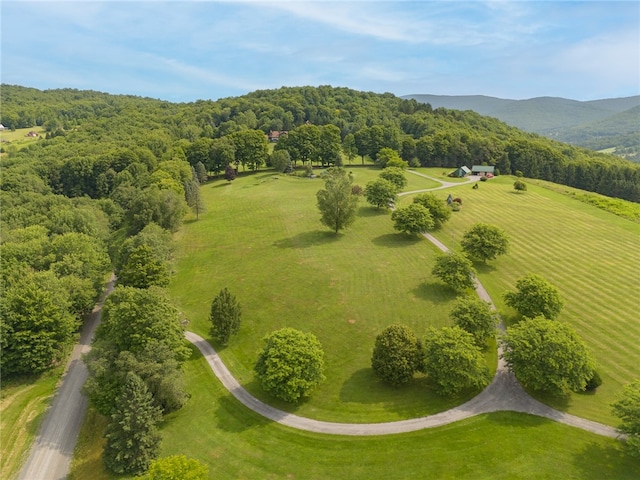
{"type": "Point", "coordinates": [504, 393]}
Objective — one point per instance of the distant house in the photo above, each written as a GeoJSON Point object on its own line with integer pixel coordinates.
{"type": "Point", "coordinates": [460, 172]}
{"type": "Point", "coordinates": [482, 170]}
{"type": "Point", "coordinates": [274, 135]}
{"type": "Point", "coordinates": [32, 134]}
{"type": "Point", "coordinates": [2, 127]}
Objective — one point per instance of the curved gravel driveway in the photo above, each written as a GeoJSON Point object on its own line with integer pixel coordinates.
{"type": "Point", "coordinates": [503, 394]}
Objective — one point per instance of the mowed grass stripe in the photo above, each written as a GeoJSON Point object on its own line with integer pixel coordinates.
{"type": "Point", "coordinates": [592, 257]}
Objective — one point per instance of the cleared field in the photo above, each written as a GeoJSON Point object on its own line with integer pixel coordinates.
{"type": "Point", "coordinates": [261, 238]}
{"type": "Point", "coordinates": [592, 256]}
{"type": "Point", "coordinates": [18, 138]}
{"type": "Point", "coordinates": [21, 412]}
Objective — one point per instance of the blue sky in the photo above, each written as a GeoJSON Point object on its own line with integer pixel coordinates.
{"type": "Point", "coordinates": [188, 50]}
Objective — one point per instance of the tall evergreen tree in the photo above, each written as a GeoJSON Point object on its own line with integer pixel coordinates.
{"type": "Point", "coordinates": [225, 316]}
{"type": "Point", "coordinates": [132, 436]}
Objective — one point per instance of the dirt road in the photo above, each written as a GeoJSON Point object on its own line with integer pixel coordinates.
{"type": "Point", "coordinates": [52, 450]}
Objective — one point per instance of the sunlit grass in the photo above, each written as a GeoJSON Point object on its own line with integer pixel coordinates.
{"type": "Point", "coordinates": [592, 256]}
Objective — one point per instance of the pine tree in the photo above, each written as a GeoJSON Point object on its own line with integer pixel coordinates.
{"type": "Point", "coordinates": [132, 437]}
{"type": "Point", "coordinates": [225, 316]}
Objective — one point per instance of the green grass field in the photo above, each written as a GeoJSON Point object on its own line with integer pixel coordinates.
{"type": "Point", "coordinates": [17, 138]}
{"type": "Point", "coordinates": [592, 256]}
{"type": "Point", "coordinates": [22, 408]}
{"type": "Point", "coordinates": [237, 444]}
{"type": "Point", "coordinates": [262, 239]}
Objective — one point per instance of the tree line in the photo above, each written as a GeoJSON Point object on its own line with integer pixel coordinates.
{"type": "Point", "coordinates": [232, 130]}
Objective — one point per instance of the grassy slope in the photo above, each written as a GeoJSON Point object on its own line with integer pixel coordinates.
{"type": "Point", "coordinates": [593, 258]}
{"type": "Point", "coordinates": [237, 444]}
{"type": "Point", "coordinates": [21, 412]}
{"type": "Point", "coordinates": [262, 239]}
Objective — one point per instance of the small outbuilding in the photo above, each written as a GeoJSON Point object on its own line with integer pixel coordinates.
{"type": "Point", "coordinates": [482, 170]}
{"type": "Point", "coordinates": [460, 172]}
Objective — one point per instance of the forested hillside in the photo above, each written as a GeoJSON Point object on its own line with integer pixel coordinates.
{"type": "Point", "coordinates": [612, 123]}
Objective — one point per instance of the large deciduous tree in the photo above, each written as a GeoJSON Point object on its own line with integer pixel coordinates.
{"type": "Point", "coordinates": [329, 146]}
{"type": "Point", "coordinates": [453, 361]}
{"type": "Point", "coordinates": [143, 269]}
{"type": "Point", "coordinates": [396, 176]}
{"type": "Point", "coordinates": [291, 364]}
{"type": "Point", "coordinates": [380, 193]}
{"type": "Point", "coordinates": [337, 203]}
{"type": "Point", "coordinates": [436, 206]}
{"type": "Point", "coordinates": [475, 316]}
{"type": "Point", "coordinates": [36, 327]}
{"type": "Point", "coordinates": [455, 270]}
{"type": "Point", "coordinates": [627, 409]}
{"type": "Point", "coordinates": [225, 316]}
{"type": "Point", "coordinates": [485, 242]}
{"type": "Point", "coordinates": [413, 219]}
{"type": "Point", "coordinates": [548, 356]}
{"type": "Point", "coordinates": [132, 436]}
{"type": "Point", "coordinates": [534, 297]}
{"type": "Point", "coordinates": [397, 355]}
{"type": "Point", "coordinates": [251, 148]}
{"type": "Point", "coordinates": [132, 318]}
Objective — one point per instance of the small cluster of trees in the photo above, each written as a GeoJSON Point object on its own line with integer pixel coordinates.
{"type": "Point", "coordinates": [448, 356]}
{"type": "Point", "coordinates": [481, 242]}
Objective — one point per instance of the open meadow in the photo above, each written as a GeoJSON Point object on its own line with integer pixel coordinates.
{"type": "Point", "coordinates": [261, 238]}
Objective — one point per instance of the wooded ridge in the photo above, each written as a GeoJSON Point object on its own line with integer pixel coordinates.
{"type": "Point", "coordinates": [612, 123]}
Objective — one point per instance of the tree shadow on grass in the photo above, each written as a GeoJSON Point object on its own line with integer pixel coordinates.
{"type": "Point", "coordinates": [598, 460]}
{"type": "Point", "coordinates": [434, 292]}
{"type": "Point", "coordinates": [366, 388]}
{"type": "Point", "coordinates": [483, 267]}
{"type": "Point", "coordinates": [370, 211]}
{"type": "Point", "coordinates": [396, 240]}
{"type": "Point", "coordinates": [231, 416]}
{"type": "Point", "coordinates": [308, 239]}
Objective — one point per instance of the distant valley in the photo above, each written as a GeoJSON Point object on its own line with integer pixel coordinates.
{"type": "Point", "coordinates": [610, 124]}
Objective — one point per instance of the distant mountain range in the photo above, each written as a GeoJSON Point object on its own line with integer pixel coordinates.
{"type": "Point", "coordinates": [612, 123]}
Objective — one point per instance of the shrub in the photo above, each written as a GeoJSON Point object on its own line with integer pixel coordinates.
{"type": "Point", "coordinates": [357, 190]}
{"type": "Point", "coordinates": [594, 382]}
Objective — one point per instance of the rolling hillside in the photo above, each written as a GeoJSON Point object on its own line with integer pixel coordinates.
{"type": "Point", "coordinates": [596, 124]}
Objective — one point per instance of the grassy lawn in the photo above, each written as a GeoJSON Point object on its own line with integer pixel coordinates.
{"type": "Point", "coordinates": [261, 237]}
{"type": "Point", "coordinates": [238, 444]}
{"type": "Point", "coordinates": [592, 256]}
{"type": "Point", "coordinates": [22, 406]}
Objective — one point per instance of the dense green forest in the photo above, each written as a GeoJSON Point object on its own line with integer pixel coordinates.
{"type": "Point", "coordinates": [113, 172]}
